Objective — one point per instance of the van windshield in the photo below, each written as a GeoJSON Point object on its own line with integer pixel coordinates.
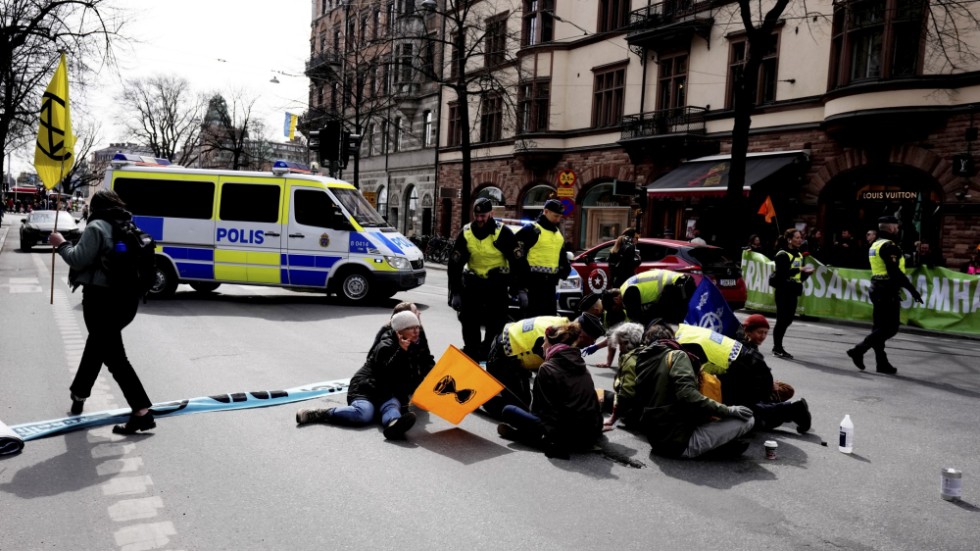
{"type": "Point", "coordinates": [359, 208]}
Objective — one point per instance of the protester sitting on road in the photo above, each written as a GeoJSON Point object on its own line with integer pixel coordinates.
{"type": "Point", "coordinates": [677, 419]}
{"type": "Point", "coordinates": [745, 378]}
{"type": "Point", "coordinates": [394, 368]}
{"type": "Point", "coordinates": [565, 412]}
{"type": "Point", "coordinates": [627, 337]}
{"type": "Point", "coordinates": [519, 351]}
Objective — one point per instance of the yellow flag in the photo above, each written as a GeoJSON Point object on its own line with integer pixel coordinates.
{"type": "Point", "coordinates": [455, 387]}
{"type": "Point", "coordinates": [54, 151]}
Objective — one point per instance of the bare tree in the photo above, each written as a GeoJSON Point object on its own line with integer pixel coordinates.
{"type": "Point", "coordinates": [82, 173]}
{"type": "Point", "coordinates": [165, 115]}
{"type": "Point", "coordinates": [32, 32]}
{"type": "Point", "coordinates": [226, 131]}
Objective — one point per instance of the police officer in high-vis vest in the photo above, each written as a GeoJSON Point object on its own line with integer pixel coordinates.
{"type": "Point", "coordinates": [517, 352]}
{"type": "Point", "coordinates": [887, 279]}
{"type": "Point", "coordinates": [479, 278]}
{"type": "Point", "coordinates": [656, 294]}
{"type": "Point", "coordinates": [544, 261]}
{"type": "Point", "coordinates": [788, 286]}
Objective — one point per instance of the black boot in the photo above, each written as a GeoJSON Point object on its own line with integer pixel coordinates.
{"type": "Point", "coordinates": [802, 416]}
{"type": "Point", "coordinates": [135, 424]}
{"type": "Point", "coordinates": [882, 363]}
{"type": "Point", "coordinates": [77, 404]}
{"type": "Point", "coordinates": [857, 356]}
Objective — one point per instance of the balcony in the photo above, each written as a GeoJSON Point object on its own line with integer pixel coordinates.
{"type": "Point", "coordinates": [325, 64]}
{"type": "Point", "coordinates": [674, 131]}
{"type": "Point", "coordinates": [668, 25]}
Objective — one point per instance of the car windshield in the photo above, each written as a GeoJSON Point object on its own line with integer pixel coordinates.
{"type": "Point", "coordinates": [359, 208]}
{"type": "Point", "coordinates": [709, 256]}
{"type": "Point", "coordinates": [65, 220]}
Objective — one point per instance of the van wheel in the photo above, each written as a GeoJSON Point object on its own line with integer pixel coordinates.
{"type": "Point", "coordinates": [166, 284]}
{"type": "Point", "coordinates": [355, 287]}
{"type": "Point", "coordinates": [204, 286]}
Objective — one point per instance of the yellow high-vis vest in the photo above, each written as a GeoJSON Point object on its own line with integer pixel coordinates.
{"type": "Point", "coordinates": [484, 255]}
{"type": "Point", "coordinates": [544, 255]}
{"type": "Point", "coordinates": [520, 336]}
{"type": "Point", "coordinates": [720, 350]}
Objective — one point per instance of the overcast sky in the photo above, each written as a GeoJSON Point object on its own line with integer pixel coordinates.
{"type": "Point", "coordinates": [218, 46]}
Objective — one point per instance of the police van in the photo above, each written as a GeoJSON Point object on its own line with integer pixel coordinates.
{"type": "Point", "coordinates": [285, 228]}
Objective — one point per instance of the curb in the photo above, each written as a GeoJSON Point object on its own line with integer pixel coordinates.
{"type": "Point", "coordinates": [3, 236]}
{"type": "Point", "coordinates": [435, 266]}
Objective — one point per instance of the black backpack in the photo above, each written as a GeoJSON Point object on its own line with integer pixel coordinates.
{"type": "Point", "coordinates": [131, 264]}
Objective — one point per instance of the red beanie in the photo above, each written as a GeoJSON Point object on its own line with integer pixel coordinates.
{"type": "Point", "coordinates": [755, 321]}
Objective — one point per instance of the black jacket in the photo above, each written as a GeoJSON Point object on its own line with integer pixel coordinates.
{"type": "Point", "coordinates": [389, 371]}
{"type": "Point", "coordinates": [565, 399]}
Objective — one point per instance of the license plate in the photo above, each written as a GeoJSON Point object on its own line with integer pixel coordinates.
{"type": "Point", "coordinates": [727, 282]}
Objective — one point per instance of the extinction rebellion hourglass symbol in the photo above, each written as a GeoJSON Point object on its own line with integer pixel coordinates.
{"type": "Point", "coordinates": [447, 385]}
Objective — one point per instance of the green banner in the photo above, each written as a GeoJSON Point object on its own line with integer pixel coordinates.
{"type": "Point", "coordinates": [952, 299]}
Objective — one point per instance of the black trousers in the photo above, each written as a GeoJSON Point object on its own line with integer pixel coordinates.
{"type": "Point", "coordinates": [885, 320]}
{"type": "Point", "coordinates": [485, 305]}
{"type": "Point", "coordinates": [106, 313]}
{"type": "Point", "coordinates": [786, 300]}
{"type": "Point", "coordinates": [541, 299]}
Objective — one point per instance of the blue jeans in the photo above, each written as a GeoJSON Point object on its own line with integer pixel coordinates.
{"type": "Point", "coordinates": [527, 423]}
{"type": "Point", "coordinates": [361, 412]}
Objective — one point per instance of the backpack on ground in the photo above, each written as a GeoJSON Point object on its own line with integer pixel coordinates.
{"type": "Point", "coordinates": [131, 264]}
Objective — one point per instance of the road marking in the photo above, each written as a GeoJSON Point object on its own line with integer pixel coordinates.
{"type": "Point", "coordinates": [16, 285]}
{"type": "Point", "coordinates": [135, 509]}
{"type": "Point", "coordinates": [141, 537]}
{"type": "Point", "coordinates": [126, 485]}
{"type": "Point", "coordinates": [116, 466]}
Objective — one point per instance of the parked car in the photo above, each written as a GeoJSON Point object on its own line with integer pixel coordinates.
{"type": "Point", "coordinates": [668, 254]}
{"type": "Point", "coordinates": [569, 290]}
{"type": "Point", "coordinates": [38, 225]}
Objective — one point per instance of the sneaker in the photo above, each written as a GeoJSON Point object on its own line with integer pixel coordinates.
{"type": "Point", "coordinates": [780, 353]}
{"type": "Point", "coordinates": [398, 427]}
{"type": "Point", "coordinates": [803, 419]}
{"type": "Point", "coordinates": [887, 369]}
{"type": "Point", "coordinates": [313, 415]}
{"type": "Point", "coordinates": [857, 357]}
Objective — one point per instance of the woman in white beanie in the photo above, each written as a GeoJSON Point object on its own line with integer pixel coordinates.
{"type": "Point", "coordinates": [394, 368]}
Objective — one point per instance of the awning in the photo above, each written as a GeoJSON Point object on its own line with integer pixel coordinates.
{"type": "Point", "coordinates": [22, 189]}
{"type": "Point", "coordinates": [709, 175]}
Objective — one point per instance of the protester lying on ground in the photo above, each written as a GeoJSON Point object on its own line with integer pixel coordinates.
{"type": "Point", "coordinates": [394, 368]}
{"type": "Point", "coordinates": [519, 350]}
{"type": "Point", "coordinates": [565, 413]}
{"type": "Point", "coordinates": [745, 378]}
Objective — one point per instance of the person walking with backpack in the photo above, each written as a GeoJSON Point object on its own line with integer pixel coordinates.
{"type": "Point", "coordinates": [107, 309]}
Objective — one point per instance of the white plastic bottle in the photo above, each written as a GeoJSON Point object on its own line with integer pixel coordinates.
{"type": "Point", "coordinates": [846, 444]}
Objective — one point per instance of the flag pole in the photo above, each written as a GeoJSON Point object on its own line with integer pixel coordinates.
{"type": "Point", "coordinates": [57, 211]}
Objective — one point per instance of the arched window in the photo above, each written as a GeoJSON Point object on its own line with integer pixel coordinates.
{"type": "Point", "coordinates": [383, 201]}
{"type": "Point", "coordinates": [534, 200]}
{"type": "Point", "coordinates": [604, 215]}
{"type": "Point", "coordinates": [411, 208]}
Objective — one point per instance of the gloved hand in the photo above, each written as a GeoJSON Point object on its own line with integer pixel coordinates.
{"type": "Point", "coordinates": [456, 302]}
{"type": "Point", "coordinates": [589, 350]}
{"type": "Point", "coordinates": [740, 412]}
{"type": "Point", "coordinates": [522, 299]}
{"type": "Point", "coordinates": [917, 296]}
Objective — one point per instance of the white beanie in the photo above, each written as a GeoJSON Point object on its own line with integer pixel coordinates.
{"type": "Point", "coordinates": [404, 320]}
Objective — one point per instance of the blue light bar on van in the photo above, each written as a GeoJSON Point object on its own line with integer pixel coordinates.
{"type": "Point", "coordinates": [140, 160]}
{"type": "Point", "coordinates": [280, 167]}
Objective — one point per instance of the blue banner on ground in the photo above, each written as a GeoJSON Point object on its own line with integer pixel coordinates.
{"type": "Point", "coordinates": [708, 308]}
{"type": "Point", "coordinates": [219, 402]}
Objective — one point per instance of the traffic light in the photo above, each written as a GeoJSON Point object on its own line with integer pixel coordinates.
{"type": "Point", "coordinates": [330, 142]}
{"type": "Point", "coordinates": [350, 144]}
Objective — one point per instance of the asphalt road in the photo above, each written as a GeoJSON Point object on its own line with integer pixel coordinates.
{"type": "Point", "coordinates": [252, 480]}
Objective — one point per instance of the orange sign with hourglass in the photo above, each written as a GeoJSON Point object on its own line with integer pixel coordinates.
{"type": "Point", "coordinates": [455, 387]}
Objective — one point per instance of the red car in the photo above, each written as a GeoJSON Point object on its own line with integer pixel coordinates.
{"type": "Point", "coordinates": [667, 254]}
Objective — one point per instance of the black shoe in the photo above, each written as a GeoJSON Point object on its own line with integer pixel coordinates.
{"type": "Point", "coordinates": [857, 357]}
{"type": "Point", "coordinates": [77, 405]}
{"type": "Point", "coordinates": [803, 419]}
{"type": "Point", "coordinates": [780, 353]}
{"type": "Point", "coordinates": [507, 432]}
{"type": "Point", "coordinates": [887, 369]}
{"type": "Point", "coordinates": [135, 424]}
{"type": "Point", "coordinates": [313, 415]}
{"type": "Point", "coordinates": [398, 427]}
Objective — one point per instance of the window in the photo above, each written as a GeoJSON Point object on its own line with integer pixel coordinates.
{"type": "Point", "coordinates": [313, 207]}
{"type": "Point", "coordinates": [398, 134]}
{"type": "Point", "coordinates": [170, 198]}
{"type": "Point", "coordinates": [539, 22]}
{"type": "Point", "coordinates": [427, 129]}
{"type": "Point", "coordinates": [405, 64]}
{"type": "Point", "coordinates": [607, 96]}
{"type": "Point", "coordinates": [429, 55]}
{"type": "Point", "coordinates": [351, 34]}
{"type": "Point", "coordinates": [336, 40]}
{"type": "Point", "coordinates": [454, 56]}
{"type": "Point", "coordinates": [391, 17]}
{"type": "Point", "coordinates": [364, 26]}
{"type": "Point", "coordinates": [455, 125]}
{"type": "Point", "coordinates": [532, 106]}
{"type": "Point", "coordinates": [876, 40]}
{"type": "Point", "coordinates": [613, 14]}
{"type": "Point", "coordinates": [491, 117]}
{"type": "Point", "coordinates": [384, 137]}
{"type": "Point", "coordinates": [766, 80]}
{"type": "Point", "coordinates": [370, 140]}
{"type": "Point", "coordinates": [672, 82]}
{"type": "Point", "coordinates": [376, 29]}
{"type": "Point", "coordinates": [496, 40]}
{"type": "Point", "coordinates": [406, 7]}
{"type": "Point", "coordinates": [249, 203]}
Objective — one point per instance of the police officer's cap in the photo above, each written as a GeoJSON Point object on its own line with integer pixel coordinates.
{"type": "Point", "coordinates": [888, 220]}
{"type": "Point", "coordinates": [482, 206]}
{"type": "Point", "coordinates": [588, 302]}
{"type": "Point", "coordinates": [554, 205]}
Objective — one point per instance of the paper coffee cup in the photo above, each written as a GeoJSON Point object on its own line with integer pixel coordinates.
{"type": "Point", "coordinates": [771, 446]}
